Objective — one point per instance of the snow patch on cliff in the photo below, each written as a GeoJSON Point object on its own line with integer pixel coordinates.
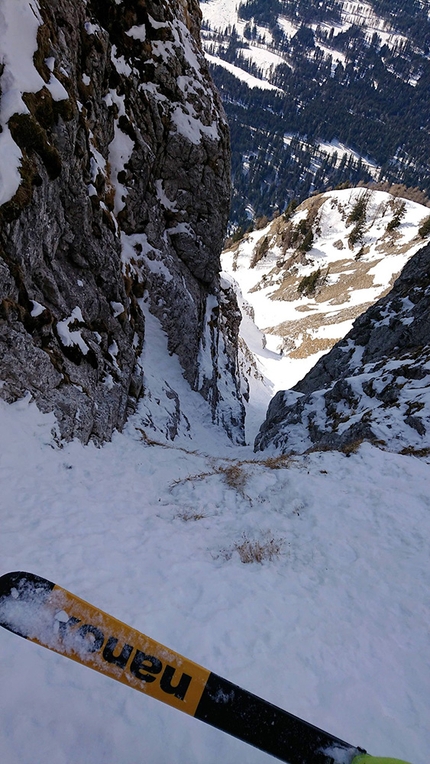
{"type": "Point", "coordinates": [19, 22]}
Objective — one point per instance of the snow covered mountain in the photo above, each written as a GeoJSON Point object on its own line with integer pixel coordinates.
{"type": "Point", "coordinates": [310, 272]}
{"type": "Point", "coordinates": [320, 93]}
{"type": "Point", "coordinates": [373, 386]}
{"type": "Point", "coordinates": [302, 281]}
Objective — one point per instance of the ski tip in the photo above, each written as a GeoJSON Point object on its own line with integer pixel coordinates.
{"type": "Point", "coordinates": [19, 589]}
{"type": "Point", "coordinates": [24, 584]}
{"type": "Point", "coordinates": [365, 758]}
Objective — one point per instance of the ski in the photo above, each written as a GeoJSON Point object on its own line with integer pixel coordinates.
{"type": "Point", "coordinates": [47, 614]}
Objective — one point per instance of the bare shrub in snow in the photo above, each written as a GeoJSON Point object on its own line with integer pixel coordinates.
{"type": "Point", "coordinates": [280, 462]}
{"type": "Point", "coordinates": [190, 514]}
{"type": "Point", "coordinates": [234, 476]}
{"type": "Point", "coordinates": [258, 550]}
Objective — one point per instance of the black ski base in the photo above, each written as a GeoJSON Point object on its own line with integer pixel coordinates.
{"type": "Point", "coordinates": [256, 721]}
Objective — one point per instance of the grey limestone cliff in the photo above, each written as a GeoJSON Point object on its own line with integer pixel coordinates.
{"type": "Point", "coordinates": [122, 204]}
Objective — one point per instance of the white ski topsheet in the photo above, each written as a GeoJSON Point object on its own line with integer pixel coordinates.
{"type": "Point", "coordinates": [334, 628]}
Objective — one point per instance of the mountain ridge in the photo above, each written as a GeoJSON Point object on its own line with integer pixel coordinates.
{"type": "Point", "coordinates": [310, 272]}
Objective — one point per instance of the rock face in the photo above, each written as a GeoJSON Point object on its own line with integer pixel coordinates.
{"type": "Point", "coordinates": [122, 201]}
{"type": "Point", "coordinates": [374, 385]}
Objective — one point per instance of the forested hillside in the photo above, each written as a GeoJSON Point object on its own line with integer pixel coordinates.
{"type": "Point", "coordinates": [319, 94]}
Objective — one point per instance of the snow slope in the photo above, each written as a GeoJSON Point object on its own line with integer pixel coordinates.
{"type": "Point", "coordinates": [249, 79]}
{"type": "Point", "coordinates": [334, 628]}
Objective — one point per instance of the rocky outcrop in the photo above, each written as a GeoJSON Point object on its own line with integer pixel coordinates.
{"type": "Point", "coordinates": [374, 385]}
{"type": "Point", "coordinates": [123, 197]}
